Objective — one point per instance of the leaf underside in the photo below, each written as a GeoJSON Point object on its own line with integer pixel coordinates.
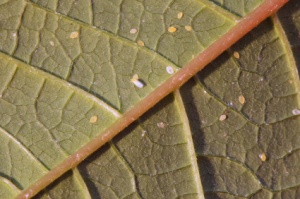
{"type": "Point", "coordinates": [65, 76]}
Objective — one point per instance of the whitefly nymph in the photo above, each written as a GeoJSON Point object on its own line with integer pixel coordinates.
{"type": "Point", "coordinates": [135, 80]}
{"type": "Point", "coordinates": [170, 69]}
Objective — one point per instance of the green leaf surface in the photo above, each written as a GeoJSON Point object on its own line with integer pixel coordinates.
{"type": "Point", "coordinates": [266, 123]}
{"type": "Point", "coordinates": [65, 76]}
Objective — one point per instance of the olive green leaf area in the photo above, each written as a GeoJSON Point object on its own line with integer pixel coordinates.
{"type": "Point", "coordinates": [101, 62]}
{"type": "Point", "coordinates": [65, 74]}
{"type": "Point", "coordinates": [156, 158]}
{"type": "Point", "coordinates": [290, 19]}
{"type": "Point", "coordinates": [254, 151]}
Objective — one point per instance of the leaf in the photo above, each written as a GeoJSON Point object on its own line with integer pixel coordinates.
{"type": "Point", "coordinates": [102, 64]}
{"type": "Point", "coordinates": [229, 152]}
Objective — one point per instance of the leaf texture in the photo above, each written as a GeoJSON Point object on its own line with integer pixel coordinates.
{"type": "Point", "coordinates": [65, 76]}
{"type": "Point", "coordinates": [265, 123]}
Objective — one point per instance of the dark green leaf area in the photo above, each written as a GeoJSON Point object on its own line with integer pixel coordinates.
{"type": "Point", "coordinates": [151, 159]}
{"type": "Point", "coordinates": [289, 17]}
{"type": "Point", "coordinates": [243, 113]}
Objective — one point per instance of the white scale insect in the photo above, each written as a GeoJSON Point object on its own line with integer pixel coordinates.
{"type": "Point", "coordinates": [138, 83]}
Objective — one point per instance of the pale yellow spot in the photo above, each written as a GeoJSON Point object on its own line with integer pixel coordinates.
{"type": "Point", "coordinates": [180, 15]}
{"type": "Point", "coordinates": [140, 43]}
{"type": "Point", "coordinates": [263, 157]}
{"type": "Point", "coordinates": [74, 35]}
{"type": "Point", "coordinates": [188, 28]}
{"type": "Point", "coordinates": [223, 117]}
{"type": "Point", "coordinates": [133, 31]}
{"type": "Point", "coordinates": [51, 43]}
{"type": "Point", "coordinates": [172, 29]}
{"type": "Point", "coordinates": [242, 99]}
{"type": "Point", "coordinates": [93, 119]}
{"type": "Point", "coordinates": [134, 77]}
{"type": "Point", "coordinates": [236, 54]}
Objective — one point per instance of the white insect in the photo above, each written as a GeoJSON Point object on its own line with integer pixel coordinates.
{"type": "Point", "coordinates": [170, 69]}
{"type": "Point", "coordinates": [137, 82]}
{"type": "Point", "coordinates": [296, 112]}
{"type": "Point", "coordinates": [223, 117]}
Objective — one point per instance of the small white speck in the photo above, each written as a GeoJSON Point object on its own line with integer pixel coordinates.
{"type": "Point", "coordinates": [143, 134]}
{"type": "Point", "coordinates": [14, 34]}
{"type": "Point", "coordinates": [51, 43]}
{"type": "Point", "coordinates": [133, 31]}
{"type": "Point", "coordinates": [223, 117]}
{"type": "Point", "coordinates": [161, 125]}
{"type": "Point", "coordinates": [230, 104]}
{"type": "Point", "coordinates": [205, 92]}
{"type": "Point", "coordinates": [296, 112]}
{"type": "Point", "coordinates": [261, 79]}
{"type": "Point", "coordinates": [170, 69]}
{"type": "Point", "coordinates": [203, 122]}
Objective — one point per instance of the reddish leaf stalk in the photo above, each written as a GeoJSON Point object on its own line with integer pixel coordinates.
{"type": "Point", "coordinates": [182, 76]}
